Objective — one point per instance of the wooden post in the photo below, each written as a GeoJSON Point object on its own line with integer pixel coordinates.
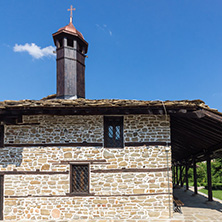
{"type": "Point", "coordinates": [177, 175]}
{"type": "Point", "coordinates": [174, 176]}
{"type": "Point", "coordinates": [187, 179]}
{"type": "Point", "coordinates": [194, 175]}
{"type": "Point", "coordinates": [181, 176]}
{"type": "Point", "coordinates": [209, 181]}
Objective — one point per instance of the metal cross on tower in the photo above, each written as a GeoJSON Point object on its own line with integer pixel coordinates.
{"type": "Point", "coordinates": [71, 9]}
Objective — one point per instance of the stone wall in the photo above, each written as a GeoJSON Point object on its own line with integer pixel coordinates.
{"type": "Point", "coordinates": [115, 208]}
{"type": "Point", "coordinates": [128, 183]}
{"type": "Point", "coordinates": [78, 129]}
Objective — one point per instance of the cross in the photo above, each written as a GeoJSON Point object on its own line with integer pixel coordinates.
{"type": "Point", "coordinates": [71, 9]}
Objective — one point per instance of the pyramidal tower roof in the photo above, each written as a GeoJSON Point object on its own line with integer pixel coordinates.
{"type": "Point", "coordinates": [70, 28]}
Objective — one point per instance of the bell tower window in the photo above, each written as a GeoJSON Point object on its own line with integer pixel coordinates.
{"type": "Point", "coordinates": [60, 43]}
{"type": "Point", "coordinates": [70, 42]}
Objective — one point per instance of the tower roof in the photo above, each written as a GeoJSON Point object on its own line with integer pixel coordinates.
{"type": "Point", "coordinates": [70, 29]}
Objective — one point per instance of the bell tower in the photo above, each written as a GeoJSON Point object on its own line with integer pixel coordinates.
{"type": "Point", "coordinates": [71, 49]}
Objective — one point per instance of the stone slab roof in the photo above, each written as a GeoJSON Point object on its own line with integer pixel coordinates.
{"type": "Point", "coordinates": [51, 102]}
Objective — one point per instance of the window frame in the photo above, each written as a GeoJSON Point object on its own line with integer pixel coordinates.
{"type": "Point", "coordinates": [71, 173]}
{"type": "Point", "coordinates": [1, 136]}
{"type": "Point", "coordinates": [105, 130]}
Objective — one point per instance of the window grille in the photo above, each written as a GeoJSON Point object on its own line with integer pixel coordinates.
{"type": "Point", "coordinates": [80, 178]}
{"type": "Point", "coordinates": [113, 132]}
{"type": "Point", "coordinates": [1, 136]}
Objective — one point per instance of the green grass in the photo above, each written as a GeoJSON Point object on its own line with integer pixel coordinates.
{"type": "Point", "coordinates": [216, 193]}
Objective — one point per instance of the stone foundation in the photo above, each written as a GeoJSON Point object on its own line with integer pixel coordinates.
{"type": "Point", "coordinates": [87, 208]}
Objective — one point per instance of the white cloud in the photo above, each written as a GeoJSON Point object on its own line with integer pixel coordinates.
{"type": "Point", "coordinates": [34, 50]}
{"type": "Point", "coordinates": [105, 29]}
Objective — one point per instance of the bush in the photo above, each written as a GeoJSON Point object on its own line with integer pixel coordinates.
{"type": "Point", "coordinates": [215, 186]}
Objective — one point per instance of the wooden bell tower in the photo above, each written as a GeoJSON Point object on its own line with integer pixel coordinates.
{"type": "Point", "coordinates": [71, 49]}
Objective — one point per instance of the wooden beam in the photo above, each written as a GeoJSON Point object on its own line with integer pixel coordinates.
{"type": "Point", "coordinates": [84, 144]}
{"type": "Point", "coordinates": [206, 127]}
{"type": "Point", "coordinates": [147, 143]}
{"type": "Point", "coordinates": [195, 131]}
{"type": "Point", "coordinates": [198, 114]}
{"type": "Point", "coordinates": [64, 110]}
{"type": "Point", "coordinates": [130, 170]}
{"type": "Point", "coordinates": [32, 172]}
{"type": "Point", "coordinates": [212, 115]}
{"type": "Point", "coordinates": [209, 150]}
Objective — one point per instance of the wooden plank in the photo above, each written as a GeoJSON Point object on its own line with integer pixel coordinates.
{"type": "Point", "coordinates": [147, 143]}
{"type": "Point", "coordinates": [193, 129]}
{"type": "Point", "coordinates": [130, 170]}
{"type": "Point", "coordinates": [192, 139]}
{"type": "Point", "coordinates": [212, 115]}
{"type": "Point", "coordinates": [198, 114]}
{"type": "Point", "coordinates": [206, 127]}
{"type": "Point", "coordinates": [32, 172]}
{"type": "Point", "coordinates": [84, 144]}
{"type": "Point", "coordinates": [66, 162]}
{"type": "Point", "coordinates": [90, 194]}
{"type": "Point", "coordinates": [114, 110]}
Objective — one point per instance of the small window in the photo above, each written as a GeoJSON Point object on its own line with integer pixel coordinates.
{"type": "Point", "coordinates": [79, 178]}
{"type": "Point", "coordinates": [80, 49]}
{"type": "Point", "coordinates": [70, 42]}
{"type": "Point", "coordinates": [113, 132]}
{"type": "Point", "coordinates": [60, 43]}
{"type": "Point", "coordinates": [1, 136]}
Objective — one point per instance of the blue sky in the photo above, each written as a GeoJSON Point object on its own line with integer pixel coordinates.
{"type": "Point", "coordinates": [138, 49]}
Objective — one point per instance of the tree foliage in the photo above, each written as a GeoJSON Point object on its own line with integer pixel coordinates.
{"type": "Point", "coordinates": [216, 172]}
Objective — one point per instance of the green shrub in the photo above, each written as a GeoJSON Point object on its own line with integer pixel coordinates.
{"type": "Point", "coordinates": [215, 186]}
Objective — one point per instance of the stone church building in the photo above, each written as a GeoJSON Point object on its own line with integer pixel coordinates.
{"type": "Point", "coordinates": [68, 158]}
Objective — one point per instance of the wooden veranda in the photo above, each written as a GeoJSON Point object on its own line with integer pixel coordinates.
{"type": "Point", "coordinates": [195, 138]}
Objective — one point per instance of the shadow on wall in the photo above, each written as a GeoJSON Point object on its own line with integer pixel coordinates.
{"type": "Point", "coordinates": [10, 156]}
